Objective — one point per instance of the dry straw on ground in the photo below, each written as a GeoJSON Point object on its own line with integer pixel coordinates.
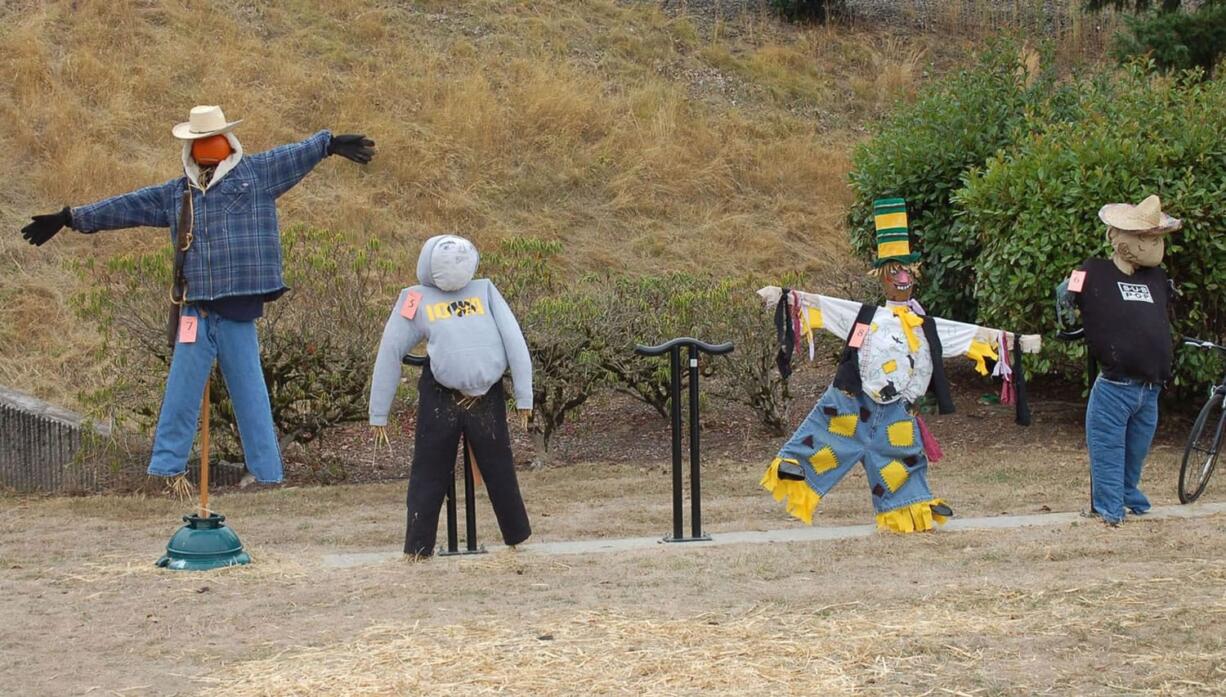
{"type": "Point", "coordinates": [952, 643]}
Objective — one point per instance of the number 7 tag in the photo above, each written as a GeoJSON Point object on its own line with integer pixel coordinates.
{"type": "Point", "coordinates": [187, 329]}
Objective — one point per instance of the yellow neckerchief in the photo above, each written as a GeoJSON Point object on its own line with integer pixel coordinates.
{"type": "Point", "coordinates": [909, 321]}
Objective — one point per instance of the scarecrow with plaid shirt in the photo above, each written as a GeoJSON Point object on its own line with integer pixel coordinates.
{"type": "Point", "coordinates": [222, 216]}
{"type": "Point", "coordinates": [891, 358]}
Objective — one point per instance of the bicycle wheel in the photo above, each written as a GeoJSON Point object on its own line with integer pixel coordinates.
{"type": "Point", "coordinates": [1204, 443]}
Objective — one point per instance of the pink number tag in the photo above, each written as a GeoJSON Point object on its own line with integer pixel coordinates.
{"type": "Point", "coordinates": [1076, 281]}
{"type": "Point", "coordinates": [187, 329]}
{"type": "Point", "coordinates": [409, 309]}
{"type": "Point", "coordinates": [858, 333]}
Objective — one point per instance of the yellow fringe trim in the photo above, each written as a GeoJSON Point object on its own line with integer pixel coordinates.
{"type": "Point", "coordinates": [802, 500]}
{"type": "Point", "coordinates": [918, 517]}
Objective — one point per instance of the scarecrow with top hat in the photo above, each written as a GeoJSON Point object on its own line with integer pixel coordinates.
{"type": "Point", "coordinates": [222, 218]}
{"type": "Point", "coordinates": [1124, 303]}
{"type": "Point", "coordinates": [892, 357]}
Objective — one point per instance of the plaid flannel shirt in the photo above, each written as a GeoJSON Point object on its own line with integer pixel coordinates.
{"type": "Point", "coordinates": [237, 246]}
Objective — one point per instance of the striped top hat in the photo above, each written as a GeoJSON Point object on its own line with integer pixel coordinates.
{"type": "Point", "coordinates": [893, 235]}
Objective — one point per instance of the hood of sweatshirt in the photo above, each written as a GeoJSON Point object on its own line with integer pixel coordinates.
{"type": "Point", "coordinates": [447, 262]}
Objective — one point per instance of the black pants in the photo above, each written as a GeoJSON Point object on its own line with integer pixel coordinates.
{"type": "Point", "coordinates": [440, 421]}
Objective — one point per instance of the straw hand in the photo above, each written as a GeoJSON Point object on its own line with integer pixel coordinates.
{"type": "Point", "coordinates": [381, 439]}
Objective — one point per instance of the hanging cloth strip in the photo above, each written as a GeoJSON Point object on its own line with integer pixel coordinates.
{"type": "Point", "coordinates": [784, 334]}
{"type": "Point", "coordinates": [1008, 391]}
{"type": "Point", "coordinates": [931, 447]}
{"type": "Point", "coordinates": [910, 321]}
{"type": "Point", "coordinates": [797, 331]}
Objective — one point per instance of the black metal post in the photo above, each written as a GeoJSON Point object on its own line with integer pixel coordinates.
{"type": "Point", "coordinates": [674, 350]}
{"type": "Point", "coordinates": [695, 470]}
{"type": "Point", "coordinates": [470, 500]}
{"type": "Point", "coordinates": [675, 370]}
{"type": "Point", "coordinates": [453, 542]}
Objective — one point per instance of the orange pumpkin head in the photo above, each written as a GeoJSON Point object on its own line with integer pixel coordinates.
{"type": "Point", "coordinates": [210, 151]}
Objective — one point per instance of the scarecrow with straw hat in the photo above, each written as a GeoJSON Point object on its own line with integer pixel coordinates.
{"type": "Point", "coordinates": [222, 218]}
{"type": "Point", "coordinates": [1124, 304]}
{"type": "Point", "coordinates": [891, 358]}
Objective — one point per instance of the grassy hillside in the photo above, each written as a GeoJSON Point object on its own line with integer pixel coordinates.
{"type": "Point", "coordinates": [640, 139]}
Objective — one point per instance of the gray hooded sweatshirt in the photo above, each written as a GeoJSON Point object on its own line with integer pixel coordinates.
{"type": "Point", "coordinates": [471, 335]}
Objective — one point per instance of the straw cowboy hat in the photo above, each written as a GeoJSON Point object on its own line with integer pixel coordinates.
{"type": "Point", "coordinates": [202, 122]}
{"type": "Point", "coordinates": [1145, 218]}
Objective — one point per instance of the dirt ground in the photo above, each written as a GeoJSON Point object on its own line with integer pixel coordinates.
{"type": "Point", "coordinates": [1077, 609]}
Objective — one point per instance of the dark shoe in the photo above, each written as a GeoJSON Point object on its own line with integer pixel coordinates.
{"type": "Point", "coordinates": [1091, 513]}
{"type": "Point", "coordinates": [792, 471]}
{"type": "Point", "coordinates": [942, 510]}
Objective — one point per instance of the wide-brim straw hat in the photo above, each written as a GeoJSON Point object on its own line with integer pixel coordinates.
{"type": "Point", "coordinates": [1145, 218]}
{"type": "Point", "coordinates": [202, 122]}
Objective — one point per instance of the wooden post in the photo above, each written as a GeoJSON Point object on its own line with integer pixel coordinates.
{"type": "Point", "coordinates": [204, 454]}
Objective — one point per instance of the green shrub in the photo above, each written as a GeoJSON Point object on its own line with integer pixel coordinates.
{"type": "Point", "coordinates": [560, 320]}
{"type": "Point", "coordinates": [923, 151]}
{"type": "Point", "coordinates": [1033, 209]}
{"type": "Point", "coordinates": [1174, 37]}
{"type": "Point", "coordinates": [316, 342]}
{"type": "Point", "coordinates": [809, 10]}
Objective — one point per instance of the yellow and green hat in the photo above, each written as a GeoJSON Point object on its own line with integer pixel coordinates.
{"type": "Point", "coordinates": [893, 234]}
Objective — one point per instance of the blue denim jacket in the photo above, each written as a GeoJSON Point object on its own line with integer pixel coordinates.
{"type": "Point", "coordinates": [237, 247]}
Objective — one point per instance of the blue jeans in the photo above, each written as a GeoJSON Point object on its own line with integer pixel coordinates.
{"type": "Point", "coordinates": [235, 346]}
{"type": "Point", "coordinates": [1120, 422]}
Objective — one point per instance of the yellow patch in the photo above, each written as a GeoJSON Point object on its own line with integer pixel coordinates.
{"type": "Point", "coordinates": [824, 460]}
{"type": "Point", "coordinates": [901, 434]}
{"type": "Point", "coordinates": [844, 425]}
{"type": "Point", "coordinates": [889, 367]}
{"type": "Point", "coordinates": [895, 475]}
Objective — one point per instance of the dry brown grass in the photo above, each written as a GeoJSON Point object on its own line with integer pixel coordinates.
{"type": "Point", "coordinates": [954, 644]}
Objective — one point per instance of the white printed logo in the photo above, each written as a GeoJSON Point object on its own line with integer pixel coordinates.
{"type": "Point", "coordinates": [1135, 292]}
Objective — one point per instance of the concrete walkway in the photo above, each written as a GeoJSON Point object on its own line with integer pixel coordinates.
{"type": "Point", "coordinates": [805, 534]}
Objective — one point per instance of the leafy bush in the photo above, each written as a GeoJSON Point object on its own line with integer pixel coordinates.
{"type": "Point", "coordinates": [809, 10]}
{"type": "Point", "coordinates": [1033, 208]}
{"type": "Point", "coordinates": [316, 342]}
{"type": "Point", "coordinates": [1176, 41]}
{"type": "Point", "coordinates": [1174, 37]}
{"type": "Point", "coordinates": [922, 152]}
{"type": "Point", "coordinates": [560, 322]}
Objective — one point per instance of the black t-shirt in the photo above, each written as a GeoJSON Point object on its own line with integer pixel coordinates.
{"type": "Point", "coordinates": [1126, 323]}
{"type": "Point", "coordinates": [237, 308]}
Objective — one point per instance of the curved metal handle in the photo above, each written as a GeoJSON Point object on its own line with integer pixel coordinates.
{"type": "Point", "coordinates": [713, 349]}
{"type": "Point", "coordinates": [411, 359]}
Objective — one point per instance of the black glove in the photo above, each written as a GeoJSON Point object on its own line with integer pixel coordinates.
{"type": "Point", "coordinates": [44, 227]}
{"type": "Point", "coordinates": [358, 148]}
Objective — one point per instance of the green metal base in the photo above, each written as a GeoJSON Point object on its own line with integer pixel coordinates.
{"type": "Point", "coordinates": [203, 544]}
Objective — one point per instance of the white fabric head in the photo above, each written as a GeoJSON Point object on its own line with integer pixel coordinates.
{"type": "Point", "coordinates": [447, 262]}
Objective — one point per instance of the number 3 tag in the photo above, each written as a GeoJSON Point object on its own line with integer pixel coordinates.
{"type": "Point", "coordinates": [409, 309]}
{"type": "Point", "coordinates": [187, 329]}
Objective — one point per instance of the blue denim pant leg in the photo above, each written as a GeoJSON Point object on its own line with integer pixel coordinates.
{"type": "Point", "coordinates": [829, 442]}
{"type": "Point", "coordinates": [895, 463]}
{"type": "Point", "coordinates": [1140, 435]}
{"type": "Point", "coordinates": [238, 352]}
{"type": "Point", "coordinates": [1111, 407]}
{"type": "Point", "coordinates": [176, 427]}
